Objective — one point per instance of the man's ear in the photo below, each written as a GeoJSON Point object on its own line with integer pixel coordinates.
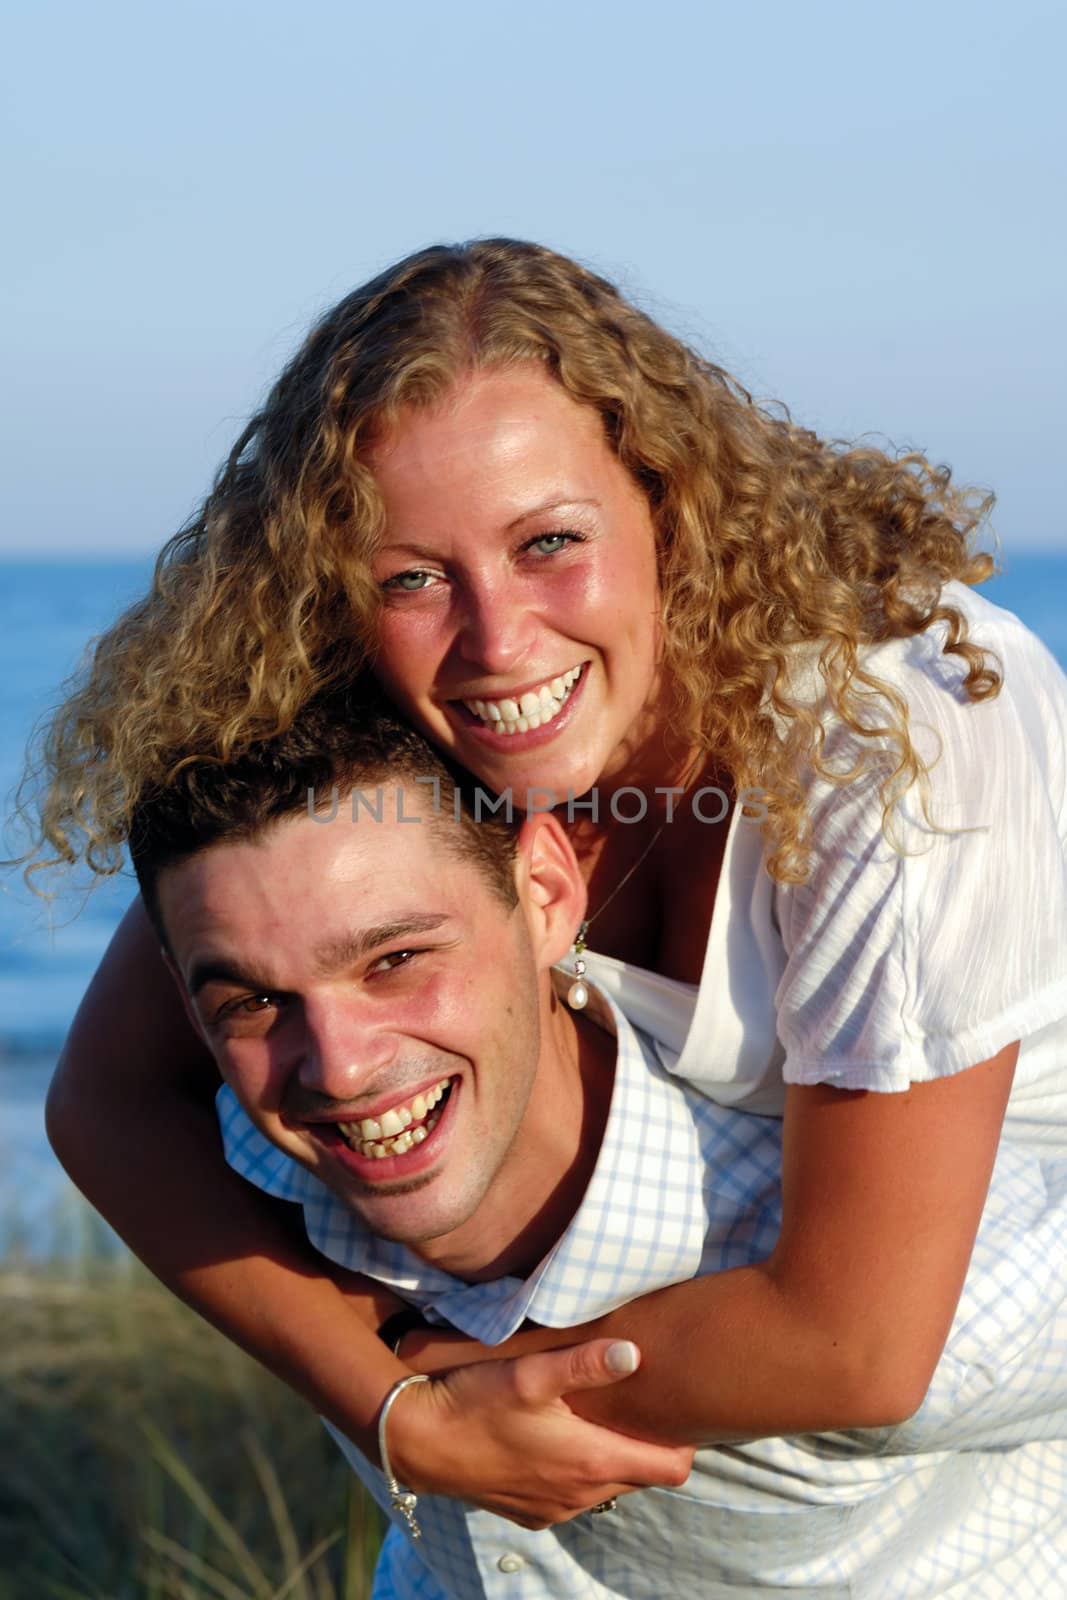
{"type": "Point", "coordinates": [550, 885]}
{"type": "Point", "coordinates": [190, 1010]}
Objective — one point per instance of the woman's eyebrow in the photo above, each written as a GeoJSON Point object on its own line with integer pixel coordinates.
{"type": "Point", "coordinates": [425, 552]}
{"type": "Point", "coordinates": [567, 503]}
{"type": "Point", "coordinates": [408, 547]}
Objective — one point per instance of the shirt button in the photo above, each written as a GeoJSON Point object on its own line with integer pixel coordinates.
{"type": "Point", "coordinates": [512, 1562]}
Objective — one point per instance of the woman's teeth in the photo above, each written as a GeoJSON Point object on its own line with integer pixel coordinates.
{"type": "Point", "coordinates": [397, 1130]}
{"type": "Point", "coordinates": [531, 710]}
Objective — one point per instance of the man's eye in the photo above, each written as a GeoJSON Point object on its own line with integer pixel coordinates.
{"type": "Point", "coordinates": [245, 1007]}
{"type": "Point", "coordinates": [395, 958]}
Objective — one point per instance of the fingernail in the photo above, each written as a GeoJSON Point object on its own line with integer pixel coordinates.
{"type": "Point", "coordinates": [622, 1357]}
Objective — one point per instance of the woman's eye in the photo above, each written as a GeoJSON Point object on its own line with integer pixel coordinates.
{"type": "Point", "coordinates": [409, 582]}
{"type": "Point", "coordinates": [549, 544]}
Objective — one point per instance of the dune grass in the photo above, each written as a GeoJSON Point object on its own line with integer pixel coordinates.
{"type": "Point", "coordinates": [142, 1457]}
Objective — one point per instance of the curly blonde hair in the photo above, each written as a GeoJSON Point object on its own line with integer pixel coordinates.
{"type": "Point", "coordinates": [768, 536]}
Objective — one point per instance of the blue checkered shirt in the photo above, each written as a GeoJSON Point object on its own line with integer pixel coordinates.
{"type": "Point", "coordinates": [967, 1499]}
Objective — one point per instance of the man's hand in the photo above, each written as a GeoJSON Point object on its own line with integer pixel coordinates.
{"type": "Point", "coordinates": [500, 1435]}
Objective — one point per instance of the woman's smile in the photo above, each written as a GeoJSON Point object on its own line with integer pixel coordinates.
{"type": "Point", "coordinates": [520, 623]}
{"type": "Point", "coordinates": [524, 710]}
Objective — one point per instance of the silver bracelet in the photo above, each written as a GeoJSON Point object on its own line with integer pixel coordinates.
{"type": "Point", "coordinates": [402, 1500]}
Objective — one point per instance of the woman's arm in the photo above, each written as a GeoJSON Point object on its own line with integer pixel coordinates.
{"type": "Point", "coordinates": [131, 1116]}
{"type": "Point", "coordinates": [843, 1325]}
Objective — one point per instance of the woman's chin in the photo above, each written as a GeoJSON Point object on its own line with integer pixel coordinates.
{"type": "Point", "coordinates": [540, 779]}
{"type": "Point", "coordinates": [543, 768]}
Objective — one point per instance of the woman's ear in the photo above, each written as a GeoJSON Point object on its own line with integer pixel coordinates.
{"type": "Point", "coordinates": [550, 886]}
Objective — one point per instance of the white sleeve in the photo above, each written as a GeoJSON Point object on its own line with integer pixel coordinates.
{"type": "Point", "coordinates": [903, 967]}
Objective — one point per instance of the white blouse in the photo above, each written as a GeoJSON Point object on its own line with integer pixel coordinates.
{"type": "Point", "coordinates": [892, 966]}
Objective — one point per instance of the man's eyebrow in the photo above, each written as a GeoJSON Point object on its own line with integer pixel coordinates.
{"type": "Point", "coordinates": [556, 504]}
{"type": "Point", "coordinates": [330, 955]}
{"type": "Point", "coordinates": [219, 970]}
{"type": "Point", "coordinates": [333, 954]}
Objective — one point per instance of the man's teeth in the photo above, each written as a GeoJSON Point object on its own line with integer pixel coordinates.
{"type": "Point", "coordinates": [397, 1130]}
{"type": "Point", "coordinates": [530, 710]}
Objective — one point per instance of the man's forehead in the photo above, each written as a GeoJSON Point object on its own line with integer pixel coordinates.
{"type": "Point", "coordinates": [341, 842]}
{"type": "Point", "coordinates": [340, 881]}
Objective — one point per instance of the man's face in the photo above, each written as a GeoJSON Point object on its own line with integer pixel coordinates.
{"type": "Point", "coordinates": [373, 1004]}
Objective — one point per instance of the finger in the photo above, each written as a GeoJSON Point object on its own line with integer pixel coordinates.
{"type": "Point", "coordinates": [625, 1464]}
{"type": "Point", "coordinates": [548, 1511]}
{"type": "Point", "coordinates": [591, 1365]}
{"type": "Point", "coordinates": [601, 1462]}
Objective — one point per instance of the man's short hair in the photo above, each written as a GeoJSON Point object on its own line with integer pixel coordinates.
{"type": "Point", "coordinates": [342, 744]}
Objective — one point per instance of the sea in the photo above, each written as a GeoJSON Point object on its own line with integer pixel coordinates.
{"type": "Point", "coordinates": [49, 612]}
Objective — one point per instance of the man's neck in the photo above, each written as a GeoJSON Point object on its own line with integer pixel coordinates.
{"type": "Point", "coordinates": [547, 1170]}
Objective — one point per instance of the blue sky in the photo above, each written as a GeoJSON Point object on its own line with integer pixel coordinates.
{"type": "Point", "coordinates": [858, 209]}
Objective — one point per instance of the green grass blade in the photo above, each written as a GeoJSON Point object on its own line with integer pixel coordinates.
{"type": "Point", "coordinates": [188, 1561]}
{"type": "Point", "coordinates": [305, 1566]}
{"type": "Point", "coordinates": [223, 1529]}
{"type": "Point", "coordinates": [56, 1590]}
{"type": "Point", "coordinates": [288, 1544]}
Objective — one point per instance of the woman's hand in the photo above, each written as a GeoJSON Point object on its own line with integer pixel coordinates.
{"type": "Point", "coordinates": [501, 1436]}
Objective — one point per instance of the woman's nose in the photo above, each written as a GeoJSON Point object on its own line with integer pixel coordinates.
{"type": "Point", "coordinates": [496, 628]}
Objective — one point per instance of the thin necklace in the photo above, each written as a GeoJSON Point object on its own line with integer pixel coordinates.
{"type": "Point", "coordinates": [578, 993]}
{"type": "Point", "coordinates": [623, 881]}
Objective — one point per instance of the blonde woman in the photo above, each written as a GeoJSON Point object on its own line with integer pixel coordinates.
{"type": "Point", "coordinates": [591, 569]}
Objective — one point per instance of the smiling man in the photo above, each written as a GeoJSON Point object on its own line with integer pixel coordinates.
{"type": "Point", "coordinates": [376, 991]}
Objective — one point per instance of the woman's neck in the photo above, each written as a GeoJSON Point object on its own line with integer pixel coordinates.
{"type": "Point", "coordinates": [651, 864]}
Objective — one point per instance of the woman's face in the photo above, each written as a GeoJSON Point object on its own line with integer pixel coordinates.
{"type": "Point", "coordinates": [520, 623]}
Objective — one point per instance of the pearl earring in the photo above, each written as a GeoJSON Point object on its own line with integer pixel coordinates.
{"type": "Point", "coordinates": [578, 993]}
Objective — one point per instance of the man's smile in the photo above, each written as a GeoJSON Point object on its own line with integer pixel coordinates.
{"type": "Point", "coordinates": [391, 1164]}
{"type": "Point", "coordinates": [397, 1129]}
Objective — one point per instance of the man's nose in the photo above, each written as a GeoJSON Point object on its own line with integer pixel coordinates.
{"type": "Point", "coordinates": [344, 1050]}
{"type": "Point", "coordinates": [496, 628]}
